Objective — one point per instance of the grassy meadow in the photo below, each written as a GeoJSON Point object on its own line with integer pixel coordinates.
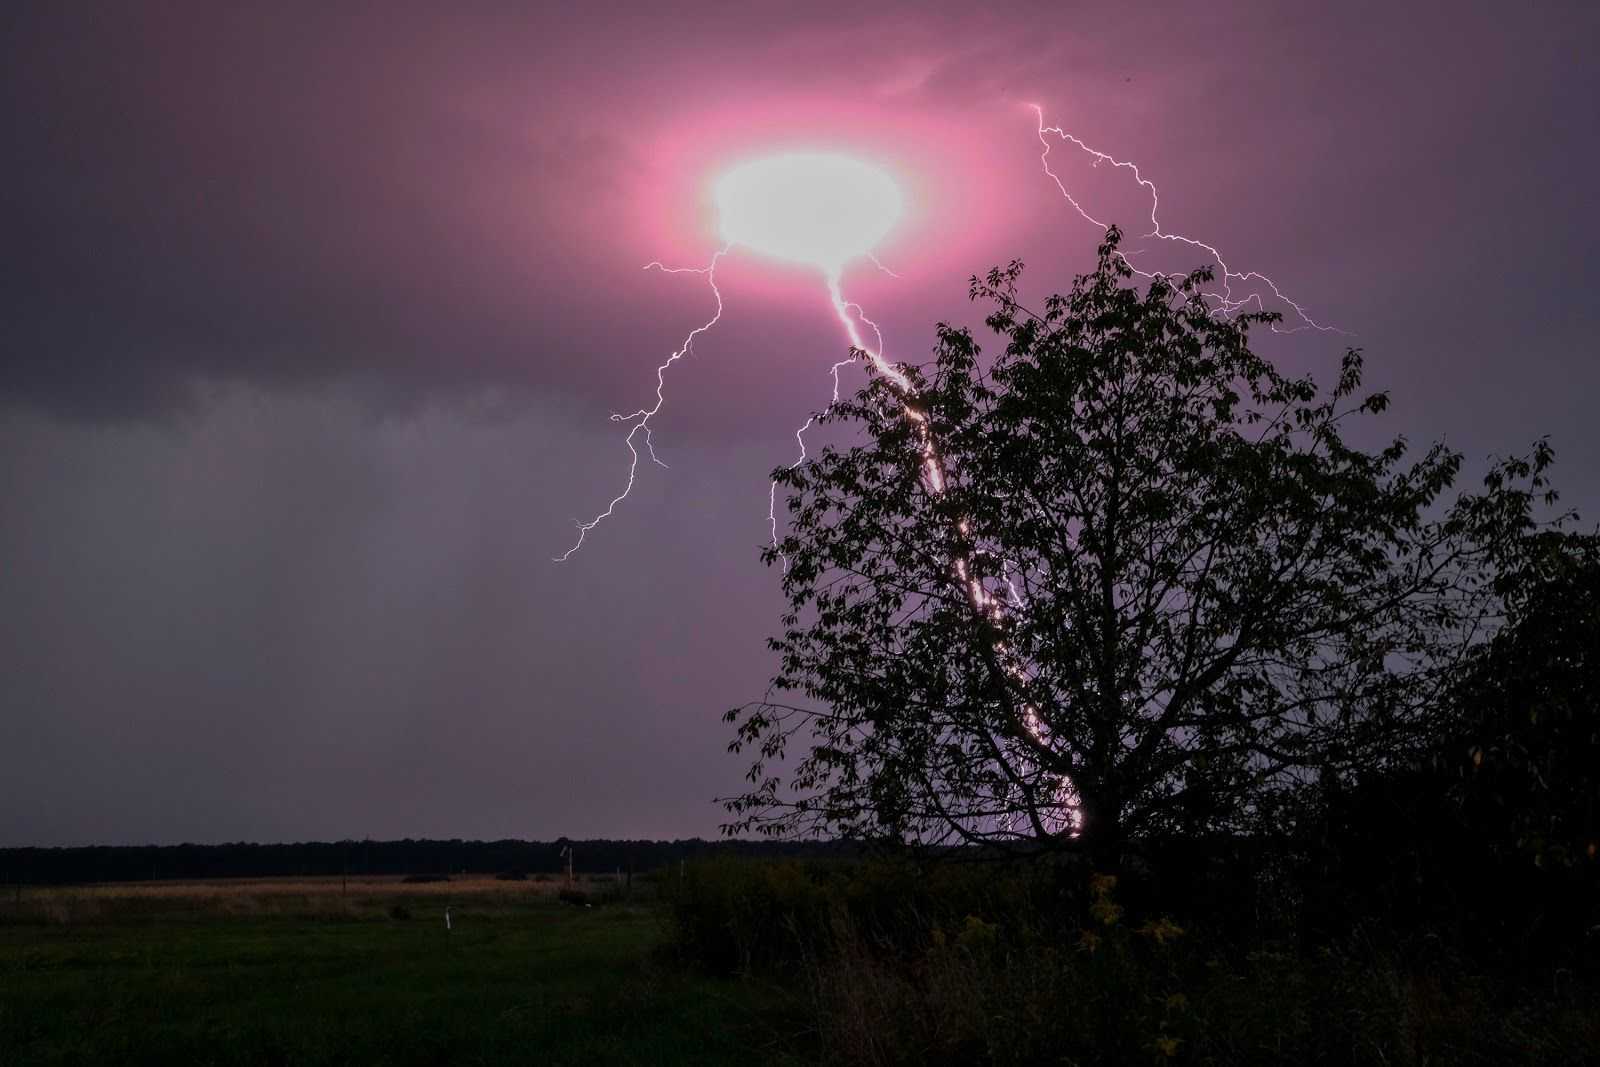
{"type": "Point", "coordinates": [311, 971]}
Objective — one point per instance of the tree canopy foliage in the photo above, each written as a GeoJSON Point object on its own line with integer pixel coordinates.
{"type": "Point", "coordinates": [1124, 577]}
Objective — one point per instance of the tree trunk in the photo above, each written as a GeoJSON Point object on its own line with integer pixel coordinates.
{"type": "Point", "coordinates": [1102, 838]}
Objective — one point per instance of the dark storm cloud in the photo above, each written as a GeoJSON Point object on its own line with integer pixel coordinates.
{"type": "Point", "coordinates": [313, 316]}
{"type": "Point", "coordinates": [189, 655]}
{"type": "Point", "coordinates": [215, 194]}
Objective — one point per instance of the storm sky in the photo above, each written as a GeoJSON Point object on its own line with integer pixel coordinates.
{"type": "Point", "coordinates": [314, 315]}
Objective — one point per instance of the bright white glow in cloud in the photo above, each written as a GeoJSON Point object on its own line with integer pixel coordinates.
{"type": "Point", "coordinates": [813, 208]}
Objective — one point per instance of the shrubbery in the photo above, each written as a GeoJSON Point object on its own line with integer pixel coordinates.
{"type": "Point", "coordinates": [736, 915]}
{"type": "Point", "coordinates": [973, 963]}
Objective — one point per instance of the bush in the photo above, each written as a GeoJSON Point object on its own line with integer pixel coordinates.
{"type": "Point", "coordinates": [1132, 990]}
{"type": "Point", "coordinates": [970, 963]}
{"type": "Point", "coordinates": [1395, 853]}
{"type": "Point", "coordinates": [734, 915]}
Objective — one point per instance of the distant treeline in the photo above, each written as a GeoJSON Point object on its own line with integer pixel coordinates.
{"type": "Point", "coordinates": [124, 863]}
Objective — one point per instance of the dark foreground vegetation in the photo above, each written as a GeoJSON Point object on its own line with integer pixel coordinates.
{"type": "Point", "coordinates": [1437, 906]}
{"type": "Point", "coordinates": [1200, 952]}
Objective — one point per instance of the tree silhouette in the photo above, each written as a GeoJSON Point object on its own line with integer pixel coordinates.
{"type": "Point", "coordinates": [1124, 577]}
{"type": "Point", "coordinates": [1528, 759]}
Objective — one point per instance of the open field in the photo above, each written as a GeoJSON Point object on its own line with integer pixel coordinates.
{"type": "Point", "coordinates": [325, 897]}
{"type": "Point", "coordinates": [299, 971]}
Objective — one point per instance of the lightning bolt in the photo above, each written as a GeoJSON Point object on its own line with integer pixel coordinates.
{"type": "Point", "coordinates": [852, 318]}
{"type": "Point", "coordinates": [640, 419]}
{"type": "Point", "coordinates": [1227, 303]}
{"type": "Point", "coordinates": [876, 262]}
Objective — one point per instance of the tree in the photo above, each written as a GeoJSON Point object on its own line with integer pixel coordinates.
{"type": "Point", "coordinates": [1124, 577]}
{"type": "Point", "coordinates": [1528, 759]}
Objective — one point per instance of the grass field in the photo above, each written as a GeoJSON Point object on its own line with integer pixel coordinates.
{"type": "Point", "coordinates": [297, 971]}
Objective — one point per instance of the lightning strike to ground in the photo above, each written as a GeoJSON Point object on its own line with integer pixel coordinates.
{"type": "Point", "coordinates": [762, 222]}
